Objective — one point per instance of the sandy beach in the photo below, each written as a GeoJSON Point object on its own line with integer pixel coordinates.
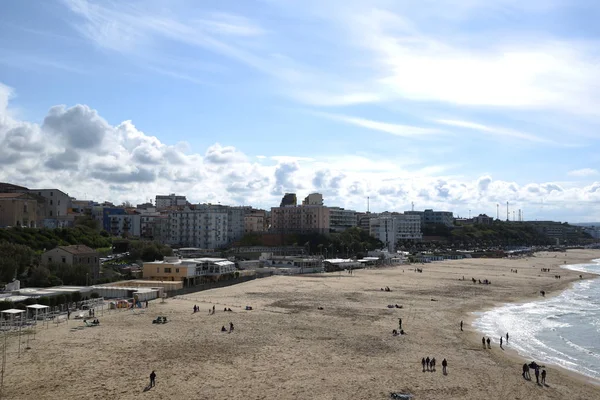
{"type": "Point", "coordinates": [286, 348]}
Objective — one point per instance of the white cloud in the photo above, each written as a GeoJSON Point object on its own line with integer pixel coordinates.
{"type": "Point", "coordinates": [500, 132]}
{"type": "Point", "coordinates": [394, 129]}
{"type": "Point", "coordinates": [122, 163]}
{"type": "Point", "coordinates": [584, 172]}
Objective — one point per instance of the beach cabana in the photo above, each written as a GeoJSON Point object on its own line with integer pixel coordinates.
{"type": "Point", "coordinates": [9, 315]}
{"type": "Point", "coordinates": [38, 309]}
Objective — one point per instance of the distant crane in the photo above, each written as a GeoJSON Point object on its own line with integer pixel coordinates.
{"type": "Point", "coordinates": [507, 212]}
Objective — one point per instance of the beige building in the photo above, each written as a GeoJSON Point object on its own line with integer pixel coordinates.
{"type": "Point", "coordinates": [300, 219]}
{"type": "Point", "coordinates": [18, 209]}
{"type": "Point", "coordinates": [77, 254]}
{"type": "Point", "coordinates": [255, 221]}
{"type": "Point", "coordinates": [189, 271]}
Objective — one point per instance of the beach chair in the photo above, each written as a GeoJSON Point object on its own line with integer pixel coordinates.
{"type": "Point", "coordinates": [89, 325]}
{"type": "Point", "coordinates": [158, 320]}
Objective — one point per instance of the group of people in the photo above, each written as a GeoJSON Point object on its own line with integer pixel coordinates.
{"type": "Point", "coordinates": [484, 282]}
{"type": "Point", "coordinates": [514, 270]}
{"type": "Point", "coordinates": [536, 369]}
{"type": "Point", "coordinates": [429, 365]}
{"type": "Point", "coordinates": [386, 289]}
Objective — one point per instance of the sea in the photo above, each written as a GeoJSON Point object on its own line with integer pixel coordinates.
{"type": "Point", "coordinates": [563, 330]}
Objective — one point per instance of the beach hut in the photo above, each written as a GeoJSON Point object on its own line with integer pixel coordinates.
{"type": "Point", "coordinates": [38, 309]}
{"type": "Point", "coordinates": [8, 317]}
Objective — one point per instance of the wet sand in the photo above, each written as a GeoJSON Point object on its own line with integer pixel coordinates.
{"type": "Point", "coordinates": [285, 348]}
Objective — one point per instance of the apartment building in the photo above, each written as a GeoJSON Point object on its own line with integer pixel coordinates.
{"type": "Point", "coordinates": [393, 227]}
{"type": "Point", "coordinates": [431, 217]}
{"type": "Point", "coordinates": [363, 220]}
{"type": "Point", "coordinates": [300, 219]}
{"type": "Point", "coordinates": [19, 209]}
{"type": "Point", "coordinates": [125, 225]}
{"type": "Point", "coordinates": [74, 255]}
{"type": "Point", "coordinates": [56, 210]}
{"type": "Point", "coordinates": [341, 219]}
{"type": "Point", "coordinates": [171, 200]}
{"type": "Point", "coordinates": [255, 221]}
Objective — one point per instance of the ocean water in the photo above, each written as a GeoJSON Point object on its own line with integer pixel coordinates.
{"type": "Point", "coordinates": [562, 330]}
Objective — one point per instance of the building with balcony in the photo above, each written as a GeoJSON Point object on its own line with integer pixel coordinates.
{"type": "Point", "coordinates": [431, 217]}
{"type": "Point", "coordinates": [255, 221]}
{"type": "Point", "coordinates": [74, 255]}
{"type": "Point", "coordinates": [393, 227]}
{"type": "Point", "coordinates": [171, 200]}
{"type": "Point", "coordinates": [289, 199]}
{"type": "Point", "coordinates": [125, 225]}
{"type": "Point", "coordinates": [19, 209]}
{"type": "Point", "coordinates": [340, 219]}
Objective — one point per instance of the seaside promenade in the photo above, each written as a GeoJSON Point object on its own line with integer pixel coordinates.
{"type": "Point", "coordinates": [288, 348]}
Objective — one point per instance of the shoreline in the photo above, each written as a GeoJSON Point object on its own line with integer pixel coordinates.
{"type": "Point", "coordinates": [511, 354]}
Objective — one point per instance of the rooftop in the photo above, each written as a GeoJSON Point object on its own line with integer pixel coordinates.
{"type": "Point", "coordinates": [77, 249]}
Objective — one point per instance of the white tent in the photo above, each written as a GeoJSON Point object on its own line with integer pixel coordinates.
{"type": "Point", "coordinates": [12, 313]}
{"type": "Point", "coordinates": [38, 308]}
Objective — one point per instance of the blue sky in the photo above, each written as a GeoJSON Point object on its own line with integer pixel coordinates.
{"type": "Point", "coordinates": [456, 104]}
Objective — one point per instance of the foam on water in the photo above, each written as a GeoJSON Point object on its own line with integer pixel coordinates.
{"type": "Point", "coordinates": [563, 330]}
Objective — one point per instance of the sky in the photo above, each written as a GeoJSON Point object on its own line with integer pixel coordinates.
{"type": "Point", "coordinates": [456, 105]}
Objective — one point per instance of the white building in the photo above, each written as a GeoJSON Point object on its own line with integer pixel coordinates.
{"type": "Point", "coordinates": [171, 200]}
{"type": "Point", "coordinates": [56, 210]}
{"type": "Point", "coordinates": [340, 219]}
{"type": "Point", "coordinates": [313, 199]}
{"type": "Point", "coordinates": [392, 227]}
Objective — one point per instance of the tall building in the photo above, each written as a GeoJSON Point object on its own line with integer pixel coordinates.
{"type": "Point", "coordinates": [126, 225]}
{"type": "Point", "coordinates": [18, 209]}
{"type": "Point", "coordinates": [430, 217]}
{"type": "Point", "coordinates": [171, 200]}
{"type": "Point", "coordinates": [56, 210]}
{"type": "Point", "coordinates": [341, 219]}
{"type": "Point", "coordinates": [313, 199]}
{"type": "Point", "coordinates": [255, 221]}
{"type": "Point", "coordinates": [363, 220]}
{"type": "Point", "coordinates": [206, 226]}
{"type": "Point", "coordinates": [392, 227]}
{"type": "Point", "coordinates": [301, 219]}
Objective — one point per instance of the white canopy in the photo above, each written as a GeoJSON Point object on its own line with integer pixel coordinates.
{"type": "Point", "coordinates": [12, 311]}
{"type": "Point", "coordinates": [37, 307]}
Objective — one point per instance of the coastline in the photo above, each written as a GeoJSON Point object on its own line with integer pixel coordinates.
{"type": "Point", "coordinates": [512, 355]}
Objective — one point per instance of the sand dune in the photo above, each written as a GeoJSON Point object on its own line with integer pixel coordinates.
{"type": "Point", "coordinates": [288, 349]}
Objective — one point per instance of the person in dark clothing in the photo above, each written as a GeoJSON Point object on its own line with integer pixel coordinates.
{"type": "Point", "coordinates": [461, 325]}
{"type": "Point", "coordinates": [526, 372]}
{"type": "Point", "coordinates": [230, 327]}
{"type": "Point", "coordinates": [537, 375]}
{"type": "Point", "coordinates": [423, 363]}
{"type": "Point", "coordinates": [500, 341]}
{"type": "Point", "coordinates": [223, 329]}
{"type": "Point", "coordinates": [152, 379]}
{"type": "Point", "coordinates": [432, 364]}
{"type": "Point", "coordinates": [444, 367]}
{"type": "Point", "coordinates": [543, 376]}
{"type": "Point", "coordinates": [399, 323]}
{"type": "Point", "coordinates": [506, 337]}
{"type": "Point", "coordinates": [483, 342]}
{"type": "Point", "coordinates": [488, 343]}
{"type": "Point", "coordinates": [427, 361]}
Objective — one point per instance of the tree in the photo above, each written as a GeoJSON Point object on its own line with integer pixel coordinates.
{"type": "Point", "coordinates": [87, 221]}
{"type": "Point", "coordinates": [15, 259]}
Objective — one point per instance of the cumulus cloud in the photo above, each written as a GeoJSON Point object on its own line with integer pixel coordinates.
{"type": "Point", "coordinates": [94, 159]}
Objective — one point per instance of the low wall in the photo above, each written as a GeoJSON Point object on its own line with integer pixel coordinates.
{"type": "Point", "coordinates": [211, 285]}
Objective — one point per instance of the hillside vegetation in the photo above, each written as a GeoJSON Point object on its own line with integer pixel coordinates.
{"type": "Point", "coordinates": [39, 239]}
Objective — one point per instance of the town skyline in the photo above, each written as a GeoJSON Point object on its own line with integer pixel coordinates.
{"type": "Point", "coordinates": [237, 105]}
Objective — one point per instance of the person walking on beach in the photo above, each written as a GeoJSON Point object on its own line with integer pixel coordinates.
{"type": "Point", "coordinates": [461, 324]}
{"type": "Point", "coordinates": [506, 337]}
{"type": "Point", "coordinates": [427, 361]}
{"type": "Point", "coordinates": [537, 374]}
{"type": "Point", "coordinates": [399, 323]}
{"type": "Point", "coordinates": [423, 363]}
{"type": "Point", "coordinates": [432, 364]}
{"type": "Point", "coordinates": [488, 343]}
{"type": "Point", "coordinates": [543, 377]}
{"type": "Point", "coordinates": [444, 367]}
{"type": "Point", "coordinates": [483, 342]}
{"type": "Point", "coordinates": [152, 379]}
{"type": "Point", "coordinates": [526, 372]}
{"type": "Point", "coordinates": [500, 341]}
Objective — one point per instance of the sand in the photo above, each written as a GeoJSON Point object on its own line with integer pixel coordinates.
{"type": "Point", "coordinates": [288, 349]}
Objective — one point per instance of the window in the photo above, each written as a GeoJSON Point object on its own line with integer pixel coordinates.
{"type": "Point", "coordinates": [157, 269]}
{"type": "Point", "coordinates": [50, 202]}
{"type": "Point", "coordinates": [25, 208]}
{"type": "Point", "coordinates": [50, 212]}
{"type": "Point", "coordinates": [167, 270]}
{"type": "Point", "coordinates": [51, 193]}
{"type": "Point", "coordinates": [177, 270]}
{"type": "Point", "coordinates": [59, 202]}
{"type": "Point", "coordinates": [64, 259]}
{"type": "Point", "coordinates": [49, 259]}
